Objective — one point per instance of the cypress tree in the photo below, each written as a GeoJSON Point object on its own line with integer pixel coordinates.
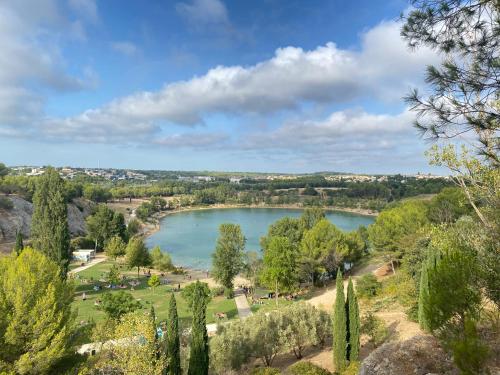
{"type": "Point", "coordinates": [172, 342]}
{"type": "Point", "coordinates": [19, 246]}
{"type": "Point", "coordinates": [339, 327]}
{"type": "Point", "coordinates": [49, 226]}
{"type": "Point", "coordinates": [198, 360]}
{"type": "Point", "coordinates": [353, 323]}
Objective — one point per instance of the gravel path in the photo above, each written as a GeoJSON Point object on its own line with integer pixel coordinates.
{"type": "Point", "coordinates": [92, 263]}
{"type": "Point", "coordinates": [244, 310]}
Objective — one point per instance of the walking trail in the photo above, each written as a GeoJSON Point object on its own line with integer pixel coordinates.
{"type": "Point", "coordinates": [244, 310]}
{"type": "Point", "coordinates": [92, 263]}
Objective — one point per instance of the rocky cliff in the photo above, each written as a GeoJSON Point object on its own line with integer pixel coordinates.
{"type": "Point", "coordinates": [18, 218]}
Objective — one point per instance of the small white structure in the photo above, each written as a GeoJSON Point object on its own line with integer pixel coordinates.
{"type": "Point", "coordinates": [84, 255]}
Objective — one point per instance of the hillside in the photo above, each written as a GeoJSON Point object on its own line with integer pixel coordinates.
{"type": "Point", "coordinates": [19, 218]}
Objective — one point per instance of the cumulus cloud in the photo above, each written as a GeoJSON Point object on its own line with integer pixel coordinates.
{"type": "Point", "coordinates": [196, 140]}
{"type": "Point", "coordinates": [125, 48]}
{"type": "Point", "coordinates": [31, 61]}
{"type": "Point", "coordinates": [203, 12]}
{"type": "Point", "coordinates": [382, 69]}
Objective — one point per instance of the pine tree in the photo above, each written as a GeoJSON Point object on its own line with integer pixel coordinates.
{"type": "Point", "coordinates": [172, 342]}
{"type": "Point", "coordinates": [19, 246]}
{"type": "Point", "coordinates": [339, 327]}
{"type": "Point", "coordinates": [49, 227]}
{"type": "Point", "coordinates": [353, 323]}
{"type": "Point", "coordinates": [198, 360]}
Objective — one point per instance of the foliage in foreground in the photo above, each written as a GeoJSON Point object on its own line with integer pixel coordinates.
{"type": "Point", "coordinates": [35, 313]}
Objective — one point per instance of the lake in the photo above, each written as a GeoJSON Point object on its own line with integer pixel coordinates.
{"type": "Point", "coordinates": [190, 236]}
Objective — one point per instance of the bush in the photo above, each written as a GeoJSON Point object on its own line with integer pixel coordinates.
{"type": "Point", "coordinates": [266, 371]}
{"type": "Point", "coordinates": [368, 286]}
{"type": "Point", "coordinates": [352, 369]}
{"type": "Point", "coordinates": [82, 243]}
{"type": "Point", "coordinates": [306, 368]}
{"type": "Point", "coordinates": [374, 328]}
{"type": "Point", "coordinates": [217, 291]}
{"type": "Point", "coordinates": [6, 203]}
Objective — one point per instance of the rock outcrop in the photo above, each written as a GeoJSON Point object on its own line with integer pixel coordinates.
{"type": "Point", "coordinates": [18, 218]}
{"type": "Point", "coordinates": [419, 355]}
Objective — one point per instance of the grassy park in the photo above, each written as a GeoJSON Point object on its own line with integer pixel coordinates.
{"type": "Point", "coordinates": [87, 310]}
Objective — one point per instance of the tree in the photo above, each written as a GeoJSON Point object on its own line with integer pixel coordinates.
{"type": "Point", "coordinates": [392, 227]}
{"type": "Point", "coordinates": [4, 171]}
{"type": "Point", "coordinates": [133, 228]}
{"type": "Point", "coordinates": [228, 256]}
{"type": "Point", "coordinates": [374, 328]}
{"type": "Point", "coordinates": [19, 246]}
{"type": "Point", "coordinates": [113, 276]}
{"type": "Point", "coordinates": [115, 305]}
{"type": "Point", "coordinates": [317, 244]}
{"type": "Point", "coordinates": [353, 324]}
{"type": "Point", "coordinates": [172, 342]}
{"type": "Point", "coordinates": [339, 326]}
{"type": "Point", "coordinates": [49, 225]}
{"type": "Point", "coordinates": [285, 227]}
{"type": "Point", "coordinates": [115, 247]}
{"type": "Point", "coordinates": [279, 261]}
{"type": "Point", "coordinates": [199, 358]}
{"type": "Point", "coordinates": [161, 260]}
{"type": "Point", "coordinates": [299, 328]}
{"type": "Point", "coordinates": [264, 333]}
{"type": "Point", "coordinates": [310, 217]}
{"type": "Point", "coordinates": [465, 88]}
{"type": "Point", "coordinates": [252, 266]}
{"type": "Point", "coordinates": [105, 224]}
{"type": "Point", "coordinates": [189, 293]}
{"type": "Point", "coordinates": [137, 353]}
{"type": "Point", "coordinates": [137, 254]}
{"type": "Point", "coordinates": [154, 282]}
{"type": "Point", "coordinates": [35, 313]}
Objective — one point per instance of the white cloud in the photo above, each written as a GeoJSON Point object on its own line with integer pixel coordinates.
{"type": "Point", "coordinates": [125, 48]}
{"type": "Point", "coordinates": [86, 9]}
{"type": "Point", "coordinates": [196, 140]}
{"type": "Point", "coordinates": [31, 62]}
{"type": "Point", "coordinates": [203, 12]}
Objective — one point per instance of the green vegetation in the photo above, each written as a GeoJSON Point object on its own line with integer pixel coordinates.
{"type": "Point", "coordinates": [115, 305]}
{"type": "Point", "coordinates": [353, 324]}
{"type": "Point", "coordinates": [49, 226]}
{"type": "Point", "coordinates": [339, 327]}
{"type": "Point", "coordinates": [35, 314]}
{"type": "Point", "coordinates": [19, 246]}
{"type": "Point", "coordinates": [228, 256]}
{"type": "Point", "coordinates": [199, 356]}
{"type": "Point", "coordinates": [172, 343]}
{"type": "Point", "coordinates": [307, 368]}
{"type": "Point", "coordinates": [104, 224]}
{"type": "Point", "coordinates": [137, 254]}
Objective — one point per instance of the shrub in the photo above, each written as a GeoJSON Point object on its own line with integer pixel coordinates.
{"type": "Point", "coordinates": [352, 369]}
{"type": "Point", "coordinates": [368, 286]}
{"type": "Point", "coordinates": [266, 371]}
{"type": "Point", "coordinates": [6, 203]}
{"type": "Point", "coordinates": [374, 328]}
{"type": "Point", "coordinates": [217, 291]}
{"type": "Point", "coordinates": [306, 368]}
{"type": "Point", "coordinates": [82, 243]}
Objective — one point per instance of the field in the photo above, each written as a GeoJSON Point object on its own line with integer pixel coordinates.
{"type": "Point", "coordinates": [87, 310]}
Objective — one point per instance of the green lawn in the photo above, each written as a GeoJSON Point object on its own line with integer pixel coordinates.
{"type": "Point", "coordinates": [157, 298]}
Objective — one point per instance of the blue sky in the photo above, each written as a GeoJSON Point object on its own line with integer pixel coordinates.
{"type": "Point", "coordinates": [261, 85]}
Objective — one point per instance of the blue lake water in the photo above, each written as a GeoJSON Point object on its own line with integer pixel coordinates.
{"type": "Point", "coordinates": [190, 236]}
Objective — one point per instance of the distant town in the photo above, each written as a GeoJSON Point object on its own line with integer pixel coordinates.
{"type": "Point", "coordinates": [113, 174]}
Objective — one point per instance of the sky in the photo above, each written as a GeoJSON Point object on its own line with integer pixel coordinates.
{"type": "Point", "coordinates": [262, 85]}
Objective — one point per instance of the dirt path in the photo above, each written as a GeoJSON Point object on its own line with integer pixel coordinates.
{"type": "Point", "coordinates": [242, 305]}
{"type": "Point", "coordinates": [326, 299]}
{"type": "Point", "coordinates": [93, 262]}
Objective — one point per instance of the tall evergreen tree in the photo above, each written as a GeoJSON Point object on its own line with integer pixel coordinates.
{"type": "Point", "coordinates": [353, 323]}
{"type": "Point", "coordinates": [49, 226]}
{"type": "Point", "coordinates": [198, 360]}
{"type": "Point", "coordinates": [19, 246]}
{"type": "Point", "coordinates": [172, 342]}
{"type": "Point", "coordinates": [339, 327]}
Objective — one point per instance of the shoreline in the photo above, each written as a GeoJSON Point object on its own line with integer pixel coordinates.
{"type": "Point", "coordinates": [152, 228]}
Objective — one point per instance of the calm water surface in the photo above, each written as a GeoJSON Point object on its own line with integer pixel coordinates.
{"type": "Point", "coordinates": [190, 236]}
